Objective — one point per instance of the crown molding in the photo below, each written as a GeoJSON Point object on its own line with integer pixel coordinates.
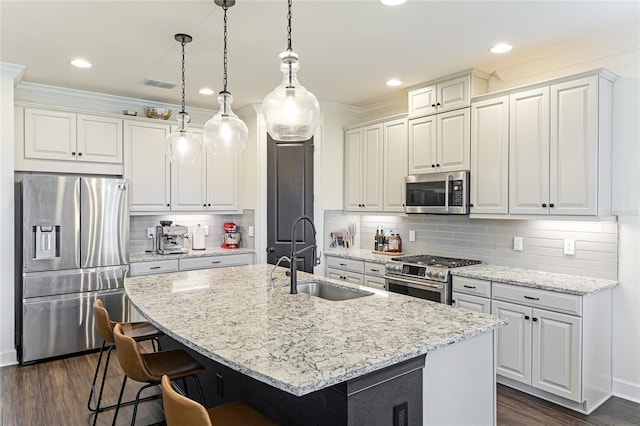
{"type": "Point", "coordinates": [45, 95]}
{"type": "Point", "coordinates": [14, 71]}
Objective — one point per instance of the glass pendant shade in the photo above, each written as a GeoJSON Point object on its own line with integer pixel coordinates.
{"type": "Point", "coordinates": [183, 146]}
{"type": "Point", "coordinates": [225, 133]}
{"type": "Point", "coordinates": [292, 113]}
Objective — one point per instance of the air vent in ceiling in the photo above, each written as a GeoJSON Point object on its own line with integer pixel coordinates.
{"type": "Point", "coordinates": [159, 83]}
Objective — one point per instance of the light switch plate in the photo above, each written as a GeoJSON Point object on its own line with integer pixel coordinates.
{"type": "Point", "coordinates": [517, 243]}
{"type": "Point", "coordinates": [412, 236]}
{"type": "Point", "coordinates": [251, 231]}
{"type": "Point", "coordinates": [570, 247]}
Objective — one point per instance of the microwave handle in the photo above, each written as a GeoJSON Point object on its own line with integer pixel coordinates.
{"type": "Point", "coordinates": [446, 194]}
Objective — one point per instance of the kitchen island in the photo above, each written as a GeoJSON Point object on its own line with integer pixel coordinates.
{"type": "Point", "coordinates": [336, 361]}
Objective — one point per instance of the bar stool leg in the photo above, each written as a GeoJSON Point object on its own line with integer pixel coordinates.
{"type": "Point", "coordinates": [135, 405]}
{"type": "Point", "coordinates": [95, 377]}
{"type": "Point", "coordinates": [115, 415]}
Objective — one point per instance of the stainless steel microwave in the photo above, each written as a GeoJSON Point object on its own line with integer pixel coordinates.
{"type": "Point", "coordinates": [438, 193]}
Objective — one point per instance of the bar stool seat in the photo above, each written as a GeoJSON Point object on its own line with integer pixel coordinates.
{"type": "Point", "coordinates": [182, 411]}
{"type": "Point", "coordinates": [139, 331]}
{"type": "Point", "coordinates": [150, 367]}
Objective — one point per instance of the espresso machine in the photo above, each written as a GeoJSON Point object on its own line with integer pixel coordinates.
{"type": "Point", "coordinates": [231, 237]}
{"type": "Point", "coordinates": [170, 239]}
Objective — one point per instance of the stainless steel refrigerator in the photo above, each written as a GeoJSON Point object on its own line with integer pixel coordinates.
{"type": "Point", "coordinates": [74, 240]}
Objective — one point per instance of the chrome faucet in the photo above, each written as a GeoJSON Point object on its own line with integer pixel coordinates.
{"type": "Point", "coordinates": [294, 253]}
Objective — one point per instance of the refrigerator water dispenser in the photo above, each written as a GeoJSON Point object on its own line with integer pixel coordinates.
{"type": "Point", "coordinates": [46, 243]}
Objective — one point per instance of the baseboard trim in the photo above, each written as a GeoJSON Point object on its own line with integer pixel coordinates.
{"type": "Point", "coordinates": [8, 358]}
{"type": "Point", "coordinates": [626, 390]}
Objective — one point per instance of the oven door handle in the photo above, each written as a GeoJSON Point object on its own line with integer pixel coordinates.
{"type": "Point", "coordinates": [414, 284]}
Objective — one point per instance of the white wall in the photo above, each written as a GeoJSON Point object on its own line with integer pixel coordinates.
{"type": "Point", "coordinates": [9, 73]}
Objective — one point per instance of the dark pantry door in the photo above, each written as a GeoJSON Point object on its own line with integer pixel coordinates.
{"type": "Point", "coordinates": [289, 196]}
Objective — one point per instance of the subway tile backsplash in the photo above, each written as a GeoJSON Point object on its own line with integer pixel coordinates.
{"type": "Point", "coordinates": [138, 242]}
{"type": "Point", "coordinates": [491, 240]}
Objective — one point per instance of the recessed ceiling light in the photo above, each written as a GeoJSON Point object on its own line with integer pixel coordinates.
{"type": "Point", "coordinates": [392, 2]}
{"type": "Point", "coordinates": [501, 48]}
{"type": "Point", "coordinates": [80, 63]}
{"type": "Point", "coordinates": [394, 82]}
{"type": "Point", "coordinates": [206, 91]}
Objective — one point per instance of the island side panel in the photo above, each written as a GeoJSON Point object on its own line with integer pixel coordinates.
{"type": "Point", "coordinates": [460, 384]}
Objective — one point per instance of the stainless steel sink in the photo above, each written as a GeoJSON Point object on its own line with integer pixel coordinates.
{"type": "Point", "coordinates": [328, 291]}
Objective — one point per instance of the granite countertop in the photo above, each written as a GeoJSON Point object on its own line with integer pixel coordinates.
{"type": "Point", "coordinates": [212, 251]}
{"type": "Point", "coordinates": [296, 343]}
{"type": "Point", "coordinates": [360, 254]}
{"type": "Point", "coordinates": [564, 283]}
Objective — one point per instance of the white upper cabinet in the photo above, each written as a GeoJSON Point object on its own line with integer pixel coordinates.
{"type": "Point", "coordinates": [66, 136]}
{"type": "Point", "coordinates": [211, 183]}
{"type": "Point", "coordinates": [99, 139]}
{"type": "Point", "coordinates": [447, 93]}
{"type": "Point", "coordinates": [363, 168]}
{"type": "Point", "coordinates": [440, 142]}
{"type": "Point", "coordinates": [574, 147]}
{"type": "Point", "coordinates": [529, 152]}
{"type": "Point", "coordinates": [395, 165]}
{"type": "Point", "coordinates": [559, 148]}
{"type": "Point", "coordinates": [489, 192]}
{"type": "Point", "coordinates": [147, 166]}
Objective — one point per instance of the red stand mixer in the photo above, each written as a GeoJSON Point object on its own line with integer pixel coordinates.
{"type": "Point", "coordinates": [231, 237]}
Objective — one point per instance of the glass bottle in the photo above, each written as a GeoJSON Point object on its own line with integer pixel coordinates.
{"type": "Point", "coordinates": [375, 239]}
{"type": "Point", "coordinates": [398, 243]}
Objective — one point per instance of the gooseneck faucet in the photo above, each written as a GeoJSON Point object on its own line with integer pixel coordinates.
{"type": "Point", "coordinates": [294, 253]}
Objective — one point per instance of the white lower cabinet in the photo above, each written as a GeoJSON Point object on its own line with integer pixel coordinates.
{"type": "Point", "coordinates": [359, 272]}
{"type": "Point", "coordinates": [471, 293]}
{"type": "Point", "coordinates": [556, 346]}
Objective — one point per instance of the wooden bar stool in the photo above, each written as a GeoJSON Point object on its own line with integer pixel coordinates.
{"type": "Point", "coordinates": [140, 331]}
{"type": "Point", "coordinates": [150, 367]}
{"type": "Point", "coordinates": [182, 411]}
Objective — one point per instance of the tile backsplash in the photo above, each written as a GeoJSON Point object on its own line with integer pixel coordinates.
{"type": "Point", "coordinates": [491, 240]}
{"type": "Point", "coordinates": [138, 241]}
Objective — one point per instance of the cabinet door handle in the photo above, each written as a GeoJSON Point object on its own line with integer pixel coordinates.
{"type": "Point", "coordinates": [168, 205]}
{"type": "Point", "coordinates": [437, 165]}
{"type": "Point", "coordinates": [551, 205]}
{"type": "Point", "coordinates": [544, 204]}
{"type": "Point", "coordinates": [154, 267]}
{"type": "Point", "coordinates": [526, 317]}
{"type": "Point", "coordinates": [80, 154]}
{"type": "Point", "coordinates": [204, 205]}
{"type": "Point", "coordinates": [532, 298]}
{"type": "Point", "coordinates": [469, 286]}
{"type": "Point", "coordinates": [470, 205]}
{"type": "Point", "coordinates": [433, 165]}
{"type": "Point", "coordinates": [534, 319]}
{"type": "Point", "coordinates": [209, 205]}
{"type": "Point", "coordinates": [453, 303]}
{"type": "Point", "coordinates": [433, 105]}
{"type": "Point", "coordinates": [438, 104]}
{"type": "Point", "coordinates": [73, 153]}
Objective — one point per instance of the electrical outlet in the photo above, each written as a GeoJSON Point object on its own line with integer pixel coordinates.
{"type": "Point", "coordinates": [570, 247]}
{"type": "Point", "coordinates": [251, 231]}
{"type": "Point", "coordinates": [206, 230]}
{"type": "Point", "coordinates": [412, 236]}
{"type": "Point", "coordinates": [517, 243]}
{"type": "Point", "coordinates": [151, 232]}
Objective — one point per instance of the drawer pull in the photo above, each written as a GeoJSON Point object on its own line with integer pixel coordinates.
{"type": "Point", "coordinates": [375, 270]}
{"type": "Point", "coordinates": [469, 286]}
{"type": "Point", "coordinates": [155, 267]}
{"type": "Point", "coordinates": [343, 264]}
{"type": "Point", "coordinates": [534, 319]}
{"type": "Point", "coordinates": [532, 298]}
{"type": "Point", "coordinates": [216, 261]}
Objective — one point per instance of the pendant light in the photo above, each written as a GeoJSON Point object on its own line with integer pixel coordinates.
{"type": "Point", "coordinates": [225, 133]}
{"type": "Point", "coordinates": [183, 146]}
{"type": "Point", "coordinates": [291, 112]}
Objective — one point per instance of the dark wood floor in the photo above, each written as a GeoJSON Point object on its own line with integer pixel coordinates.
{"type": "Point", "coordinates": [55, 393]}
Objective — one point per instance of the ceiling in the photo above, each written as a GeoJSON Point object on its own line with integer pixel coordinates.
{"type": "Point", "coordinates": [348, 49]}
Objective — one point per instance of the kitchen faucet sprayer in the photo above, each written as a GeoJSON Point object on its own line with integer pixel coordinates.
{"type": "Point", "coordinates": [294, 253]}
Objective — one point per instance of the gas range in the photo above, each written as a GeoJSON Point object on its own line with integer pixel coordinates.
{"type": "Point", "coordinates": [423, 276]}
{"type": "Point", "coordinates": [425, 266]}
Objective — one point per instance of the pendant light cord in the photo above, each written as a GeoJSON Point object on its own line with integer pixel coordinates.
{"type": "Point", "coordinates": [289, 27]}
{"type": "Point", "coordinates": [183, 70]}
{"type": "Point", "coordinates": [225, 62]}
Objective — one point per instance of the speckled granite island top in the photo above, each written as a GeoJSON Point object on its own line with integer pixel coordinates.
{"type": "Point", "coordinates": [296, 343]}
{"type": "Point", "coordinates": [215, 251]}
{"type": "Point", "coordinates": [563, 283]}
